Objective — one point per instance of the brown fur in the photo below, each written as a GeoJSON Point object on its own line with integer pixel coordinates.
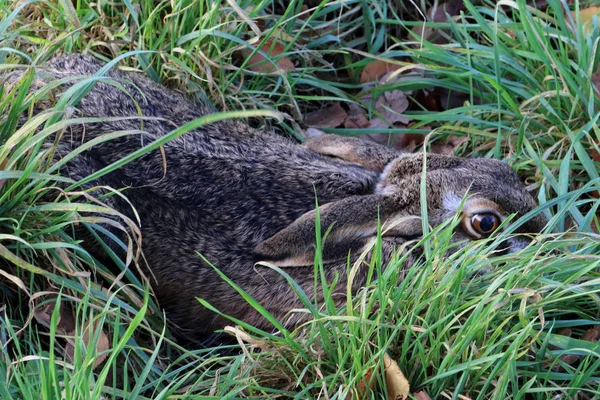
{"type": "Point", "coordinates": [239, 196]}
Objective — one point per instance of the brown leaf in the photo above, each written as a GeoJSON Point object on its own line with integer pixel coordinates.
{"type": "Point", "coordinates": [102, 345]}
{"type": "Point", "coordinates": [438, 14]}
{"type": "Point", "coordinates": [356, 121]}
{"type": "Point", "coordinates": [366, 384]}
{"type": "Point", "coordinates": [449, 147]}
{"type": "Point", "coordinates": [376, 69]}
{"type": "Point", "coordinates": [409, 141]}
{"type": "Point", "coordinates": [595, 154]}
{"type": "Point", "coordinates": [596, 79]}
{"type": "Point", "coordinates": [390, 105]}
{"type": "Point", "coordinates": [592, 334]}
{"type": "Point", "coordinates": [329, 117]}
{"type": "Point", "coordinates": [2, 166]}
{"type": "Point", "coordinates": [406, 142]}
{"type": "Point", "coordinates": [303, 14]}
{"type": "Point", "coordinates": [66, 321]}
{"type": "Point", "coordinates": [66, 327]}
{"type": "Point", "coordinates": [259, 63]}
{"type": "Point", "coordinates": [429, 100]}
{"type": "Point", "coordinates": [451, 7]}
{"type": "Point", "coordinates": [421, 395]}
{"type": "Point", "coordinates": [397, 384]}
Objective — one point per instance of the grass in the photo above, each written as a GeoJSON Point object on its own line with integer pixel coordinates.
{"type": "Point", "coordinates": [523, 77]}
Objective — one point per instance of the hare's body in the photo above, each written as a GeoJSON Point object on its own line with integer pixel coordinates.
{"type": "Point", "coordinates": [238, 196]}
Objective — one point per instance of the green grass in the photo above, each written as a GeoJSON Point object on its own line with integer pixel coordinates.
{"type": "Point", "coordinates": [524, 80]}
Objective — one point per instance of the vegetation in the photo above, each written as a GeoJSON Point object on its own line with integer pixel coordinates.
{"type": "Point", "coordinates": [517, 79]}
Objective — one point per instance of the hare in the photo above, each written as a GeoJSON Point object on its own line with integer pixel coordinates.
{"type": "Point", "coordinates": [238, 196]}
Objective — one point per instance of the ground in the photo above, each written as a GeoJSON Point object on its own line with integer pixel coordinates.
{"type": "Point", "coordinates": [515, 81]}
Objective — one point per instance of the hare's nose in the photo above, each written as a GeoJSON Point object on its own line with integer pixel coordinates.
{"type": "Point", "coordinates": [513, 244]}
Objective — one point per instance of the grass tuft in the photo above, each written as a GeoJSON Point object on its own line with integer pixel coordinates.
{"type": "Point", "coordinates": [520, 81]}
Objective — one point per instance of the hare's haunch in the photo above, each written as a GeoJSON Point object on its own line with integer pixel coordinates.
{"type": "Point", "coordinates": [238, 195]}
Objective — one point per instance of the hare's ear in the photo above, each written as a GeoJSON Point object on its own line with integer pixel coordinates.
{"type": "Point", "coordinates": [351, 222]}
{"type": "Point", "coordinates": [368, 154]}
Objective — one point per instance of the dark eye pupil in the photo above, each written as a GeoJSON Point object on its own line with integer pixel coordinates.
{"type": "Point", "coordinates": [487, 224]}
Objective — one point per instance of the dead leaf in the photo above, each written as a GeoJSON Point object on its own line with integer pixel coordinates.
{"type": "Point", "coordinates": [66, 322]}
{"type": "Point", "coordinates": [438, 14]}
{"type": "Point", "coordinates": [2, 166]}
{"type": "Point", "coordinates": [259, 63]}
{"type": "Point", "coordinates": [303, 14]}
{"type": "Point", "coordinates": [356, 121]}
{"type": "Point", "coordinates": [65, 327]}
{"type": "Point", "coordinates": [421, 395]}
{"type": "Point", "coordinates": [449, 147]}
{"type": "Point", "coordinates": [244, 337]}
{"type": "Point", "coordinates": [592, 334]}
{"type": "Point", "coordinates": [397, 384]}
{"type": "Point", "coordinates": [329, 117]}
{"type": "Point", "coordinates": [596, 154]}
{"type": "Point", "coordinates": [428, 99]}
{"type": "Point", "coordinates": [390, 105]}
{"type": "Point", "coordinates": [596, 79]}
{"type": "Point", "coordinates": [102, 345]}
{"type": "Point", "coordinates": [366, 384]}
{"type": "Point", "coordinates": [374, 70]}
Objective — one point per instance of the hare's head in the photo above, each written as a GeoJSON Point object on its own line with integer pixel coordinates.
{"type": "Point", "coordinates": [483, 192]}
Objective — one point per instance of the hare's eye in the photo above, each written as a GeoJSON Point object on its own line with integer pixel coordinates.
{"type": "Point", "coordinates": [485, 224]}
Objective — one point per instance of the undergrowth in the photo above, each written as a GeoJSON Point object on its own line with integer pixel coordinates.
{"type": "Point", "coordinates": [516, 79]}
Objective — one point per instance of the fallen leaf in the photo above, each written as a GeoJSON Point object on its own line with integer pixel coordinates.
{"type": "Point", "coordinates": [102, 345]}
{"type": "Point", "coordinates": [596, 79]}
{"type": "Point", "coordinates": [259, 63]}
{"type": "Point", "coordinates": [374, 70]}
{"type": "Point", "coordinates": [2, 166]}
{"type": "Point", "coordinates": [65, 327]}
{"type": "Point", "coordinates": [451, 7]}
{"type": "Point", "coordinates": [409, 141]}
{"type": "Point", "coordinates": [329, 117]}
{"type": "Point", "coordinates": [65, 323]}
{"type": "Point", "coordinates": [596, 154]}
{"type": "Point", "coordinates": [449, 147]}
{"type": "Point", "coordinates": [438, 14]}
{"type": "Point", "coordinates": [244, 337]}
{"type": "Point", "coordinates": [303, 14]}
{"type": "Point", "coordinates": [356, 121]}
{"type": "Point", "coordinates": [396, 383]}
{"type": "Point", "coordinates": [421, 395]}
{"type": "Point", "coordinates": [366, 384]}
{"type": "Point", "coordinates": [390, 105]}
{"type": "Point", "coordinates": [406, 142]}
{"type": "Point", "coordinates": [592, 334]}
{"type": "Point", "coordinates": [429, 100]}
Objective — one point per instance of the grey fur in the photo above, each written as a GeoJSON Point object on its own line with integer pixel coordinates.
{"type": "Point", "coordinates": [238, 196]}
